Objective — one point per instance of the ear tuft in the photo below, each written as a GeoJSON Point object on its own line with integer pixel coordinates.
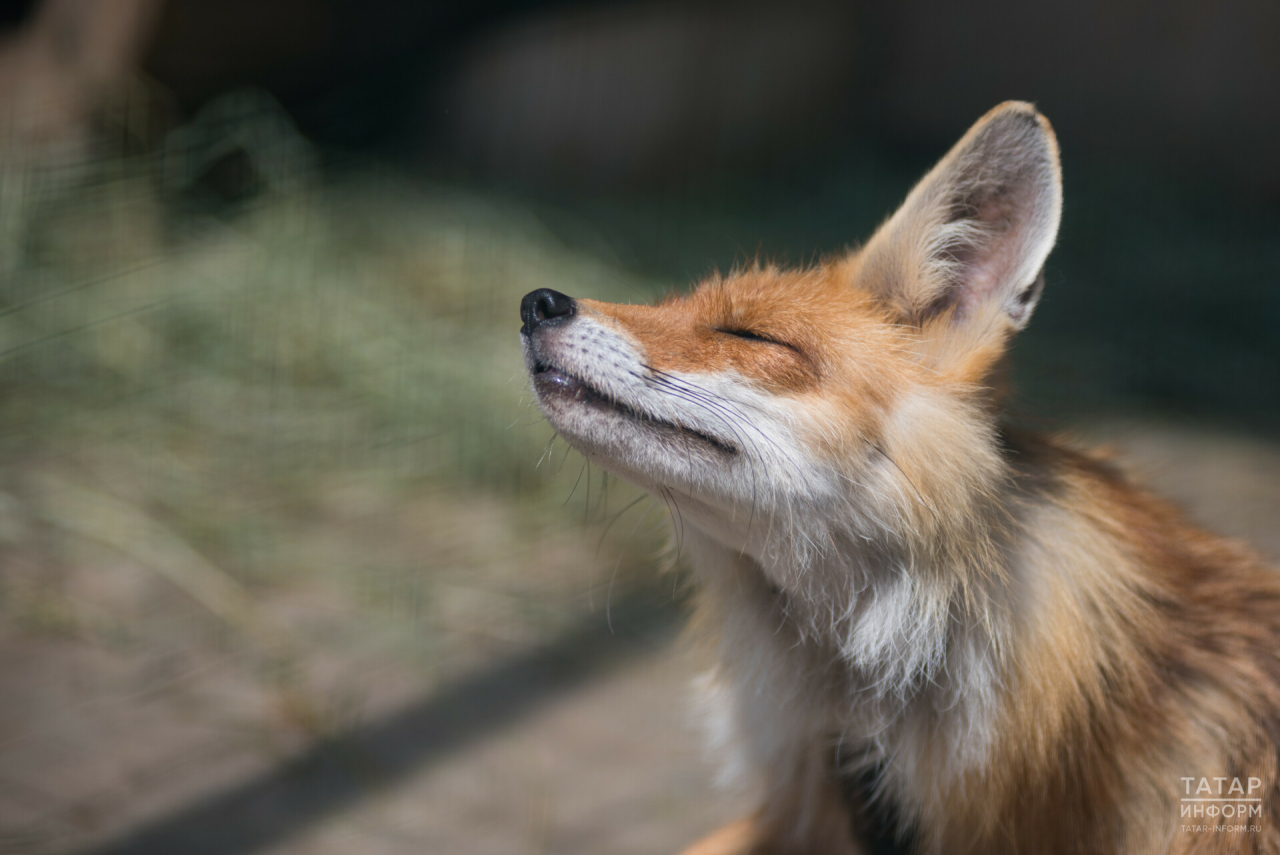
{"type": "Point", "coordinates": [973, 236]}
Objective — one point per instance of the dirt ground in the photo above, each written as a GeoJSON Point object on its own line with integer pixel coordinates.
{"type": "Point", "coordinates": [565, 738]}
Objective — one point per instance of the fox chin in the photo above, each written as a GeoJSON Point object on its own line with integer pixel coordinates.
{"type": "Point", "coordinates": [933, 633]}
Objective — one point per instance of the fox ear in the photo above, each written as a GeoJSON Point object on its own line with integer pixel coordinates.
{"type": "Point", "coordinates": [971, 239]}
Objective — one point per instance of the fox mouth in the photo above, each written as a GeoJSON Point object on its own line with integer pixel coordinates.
{"type": "Point", "coordinates": [552, 383]}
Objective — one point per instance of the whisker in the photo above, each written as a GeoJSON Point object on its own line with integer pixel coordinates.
{"type": "Point", "coordinates": [919, 495]}
{"type": "Point", "coordinates": [706, 402]}
{"type": "Point", "coordinates": [608, 596]}
{"type": "Point", "coordinates": [575, 483]}
{"type": "Point", "coordinates": [637, 500]}
{"type": "Point", "coordinates": [547, 449]}
{"type": "Point", "coordinates": [567, 449]}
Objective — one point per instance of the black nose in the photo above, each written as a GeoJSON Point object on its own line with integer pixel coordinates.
{"type": "Point", "coordinates": [544, 305]}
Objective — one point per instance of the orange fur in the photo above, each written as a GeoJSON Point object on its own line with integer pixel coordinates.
{"type": "Point", "coordinates": [932, 633]}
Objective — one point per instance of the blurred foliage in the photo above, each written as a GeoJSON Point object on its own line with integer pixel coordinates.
{"type": "Point", "coordinates": [263, 390]}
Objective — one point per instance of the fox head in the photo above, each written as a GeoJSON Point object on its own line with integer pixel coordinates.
{"type": "Point", "coordinates": [847, 407]}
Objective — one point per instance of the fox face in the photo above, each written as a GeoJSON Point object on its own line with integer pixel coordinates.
{"type": "Point", "coordinates": [771, 404]}
{"type": "Point", "coordinates": [721, 395]}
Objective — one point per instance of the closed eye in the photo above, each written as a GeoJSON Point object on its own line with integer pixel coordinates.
{"type": "Point", "coordinates": [748, 335]}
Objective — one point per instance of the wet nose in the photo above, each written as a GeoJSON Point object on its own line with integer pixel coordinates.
{"type": "Point", "coordinates": [543, 306]}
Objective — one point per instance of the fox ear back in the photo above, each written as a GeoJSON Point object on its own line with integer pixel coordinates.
{"type": "Point", "coordinates": [972, 237]}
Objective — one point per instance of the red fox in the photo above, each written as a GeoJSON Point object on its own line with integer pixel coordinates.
{"type": "Point", "coordinates": [933, 633]}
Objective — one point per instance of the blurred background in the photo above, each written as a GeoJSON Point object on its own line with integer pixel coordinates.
{"type": "Point", "coordinates": [287, 561]}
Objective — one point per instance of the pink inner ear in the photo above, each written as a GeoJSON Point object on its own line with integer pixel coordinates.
{"type": "Point", "coordinates": [988, 266]}
{"type": "Point", "coordinates": [980, 283]}
{"type": "Point", "coordinates": [985, 273]}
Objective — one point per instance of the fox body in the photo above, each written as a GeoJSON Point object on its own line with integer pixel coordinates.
{"type": "Point", "coordinates": [932, 633]}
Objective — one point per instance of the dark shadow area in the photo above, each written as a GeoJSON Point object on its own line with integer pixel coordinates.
{"type": "Point", "coordinates": [339, 773]}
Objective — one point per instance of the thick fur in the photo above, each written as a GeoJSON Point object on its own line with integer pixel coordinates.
{"type": "Point", "coordinates": [933, 634]}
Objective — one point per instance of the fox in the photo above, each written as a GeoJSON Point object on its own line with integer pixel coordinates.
{"type": "Point", "coordinates": [933, 631]}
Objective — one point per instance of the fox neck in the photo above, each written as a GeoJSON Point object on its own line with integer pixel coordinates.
{"type": "Point", "coordinates": [865, 632]}
{"type": "Point", "coordinates": [888, 631]}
